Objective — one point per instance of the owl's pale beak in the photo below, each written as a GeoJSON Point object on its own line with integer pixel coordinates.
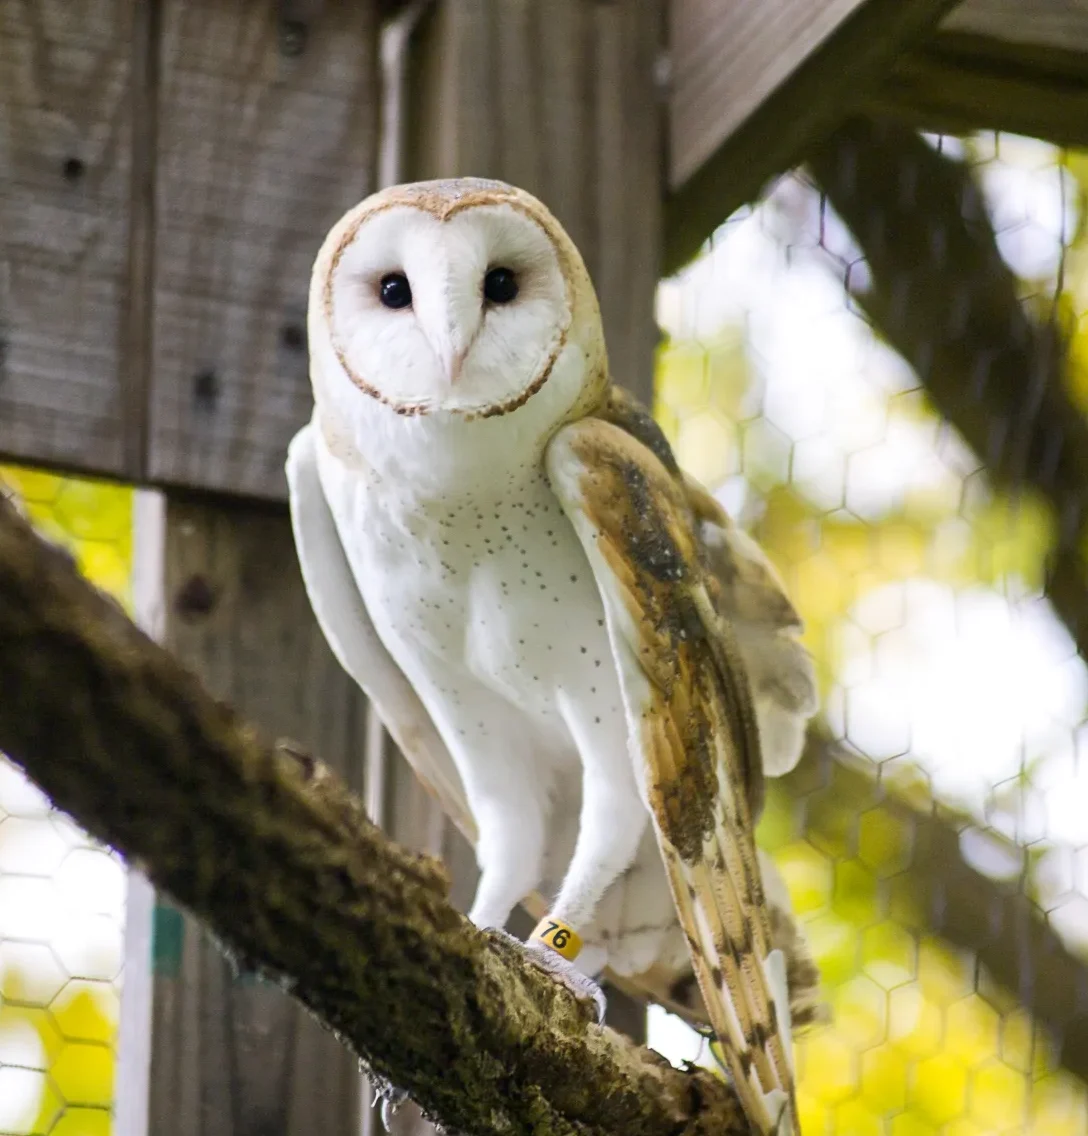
{"type": "Point", "coordinates": [455, 363]}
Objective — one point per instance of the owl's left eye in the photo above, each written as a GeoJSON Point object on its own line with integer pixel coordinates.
{"type": "Point", "coordinates": [500, 286]}
{"type": "Point", "coordinates": [394, 291]}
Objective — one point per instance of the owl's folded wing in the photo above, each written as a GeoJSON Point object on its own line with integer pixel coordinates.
{"type": "Point", "coordinates": [747, 592]}
{"type": "Point", "coordinates": [750, 595]}
{"type": "Point", "coordinates": [693, 734]}
{"type": "Point", "coordinates": [346, 624]}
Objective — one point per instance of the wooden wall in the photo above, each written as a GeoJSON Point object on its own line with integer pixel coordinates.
{"type": "Point", "coordinates": [67, 98]}
{"type": "Point", "coordinates": [170, 169]}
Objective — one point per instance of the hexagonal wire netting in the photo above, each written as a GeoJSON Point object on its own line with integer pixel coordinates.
{"type": "Point", "coordinates": [934, 837]}
{"type": "Point", "coordinates": [61, 895]}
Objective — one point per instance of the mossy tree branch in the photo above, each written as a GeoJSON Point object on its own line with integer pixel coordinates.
{"type": "Point", "coordinates": [944, 298]}
{"type": "Point", "coordinates": [270, 851]}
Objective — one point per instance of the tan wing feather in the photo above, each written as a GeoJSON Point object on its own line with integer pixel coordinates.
{"type": "Point", "coordinates": [694, 730]}
{"type": "Point", "coordinates": [750, 596]}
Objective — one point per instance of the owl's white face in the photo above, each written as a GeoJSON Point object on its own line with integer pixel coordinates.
{"type": "Point", "coordinates": [465, 313]}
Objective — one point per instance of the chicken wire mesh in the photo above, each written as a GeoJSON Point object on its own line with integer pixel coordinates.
{"type": "Point", "coordinates": [935, 835]}
{"type": "Point", "coordinates": [61, 894]}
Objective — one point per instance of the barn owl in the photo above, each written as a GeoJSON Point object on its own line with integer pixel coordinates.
{"type": "Point", "coordinates": [569, 640]}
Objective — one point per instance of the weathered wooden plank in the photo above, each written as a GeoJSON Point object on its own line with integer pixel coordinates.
{"type": "Point", "coordinates": [560, 98]}
{"type": "Point", "coordinates": [229, 1056]}
{"type": "Point", "coordinates": [66, 107]}
{"type": "Point", "coordinates": [629, 184]}
{"type": "Point", "coordinates": [996, 64]}
{"type": "Point", "coordinates": [754, 82]}
{"type": "Point", "coordinates": [961, 85]}
{"type": "Point", "coordinates": [1061, 24]}
{"type": "Point", "coordinates": [267, 133]}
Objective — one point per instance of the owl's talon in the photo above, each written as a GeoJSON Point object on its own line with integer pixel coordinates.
{"type": "Point", "coordinates": [580, 985]}
{"type": "Point", "coordinates": [392, 1098]}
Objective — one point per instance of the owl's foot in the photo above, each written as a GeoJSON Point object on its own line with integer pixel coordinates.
{"type": "Point", "coordinates": [392, 1098]}
{"type": "Point", "coordinates": [580, 985]}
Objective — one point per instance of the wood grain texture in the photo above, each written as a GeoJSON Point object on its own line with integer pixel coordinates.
{"type": "Point", "coordinates": [234, 1057]}
{"type": "Point", "coordinates": [755, 82]}
{"type": "Point", "coordinates": [559, 98]}
{"type": "Point", "coordinates": [728, 59]}
{"type": "Point", "coordinates": [267, 134]}
{"type": "Point", "coordinates": [65, 151]}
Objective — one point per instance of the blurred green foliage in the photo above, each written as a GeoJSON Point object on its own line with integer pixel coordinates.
{"type": "Point", "coordinates": [919, 1043]}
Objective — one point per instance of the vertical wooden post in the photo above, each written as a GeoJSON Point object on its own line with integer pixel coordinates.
{"type": "Point", "coordinates": [267, 132]}
{"type": "Point", "coordinates": [230, 1055]}
{"type": "Point", "coordinates": [561, 98]}
{"type": "Point", "coordinates": [69, 96]}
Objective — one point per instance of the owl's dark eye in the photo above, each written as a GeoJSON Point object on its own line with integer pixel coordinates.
{"type": "Point", "coordinates": [500, 286]}
{"type": "Point", "coordinates": [395, 291]}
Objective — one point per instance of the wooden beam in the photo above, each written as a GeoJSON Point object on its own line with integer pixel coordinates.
{"type": "Point", "coordinates": [1058, 24]}
{"type": "Point", "coordinates": [267, 134]}
{"type": "Point", "coordinates": [755, 82]}
{"type": "Point", "coordinates": [70, 93]}
{"type": "Point", "coordinates": [558, 97]}
{"type": "Point", "coordinates": [1000, 65]}
{"type": "Point", "coordinates": [231, 1056]}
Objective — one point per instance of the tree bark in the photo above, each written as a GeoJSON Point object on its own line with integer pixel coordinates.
{"type": "Point", "coordinates": [272, 853]}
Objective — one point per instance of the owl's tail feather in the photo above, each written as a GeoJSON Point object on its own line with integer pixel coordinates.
{"type": "Point", "coordinates": [681, 994]}
{"type": "Point", "coordinates": [743, 986]}
{"type": "Point", "coordinates": [807, 1007]}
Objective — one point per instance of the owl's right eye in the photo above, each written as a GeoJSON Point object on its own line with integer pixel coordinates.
{"type": "Point", "coordinates": [394, 291]}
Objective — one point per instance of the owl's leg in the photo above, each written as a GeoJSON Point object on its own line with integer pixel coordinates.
{"type": "Point", "coordinates": [510, 820]}
{"type": "Point", "coordinates": [508, 783]}
{"type": "Point", "coordinates": [508, 789]}
{"type": "Point", "coordinates": [612, 821]}
{"type": "Point", "coordinates": [613, 816]}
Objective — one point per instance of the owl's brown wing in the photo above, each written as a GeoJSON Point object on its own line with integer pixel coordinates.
{"type": "Point", "coordinates": [749, 593]}
{"type": "Point", "coordinates": [694, 737]}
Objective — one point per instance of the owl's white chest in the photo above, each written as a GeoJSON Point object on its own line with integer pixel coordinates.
{"type": "Point", "coordinates": [491, 588]}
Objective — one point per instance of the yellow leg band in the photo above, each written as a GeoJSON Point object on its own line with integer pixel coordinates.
{"type": "Point", "coordinates": [562, 939]}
